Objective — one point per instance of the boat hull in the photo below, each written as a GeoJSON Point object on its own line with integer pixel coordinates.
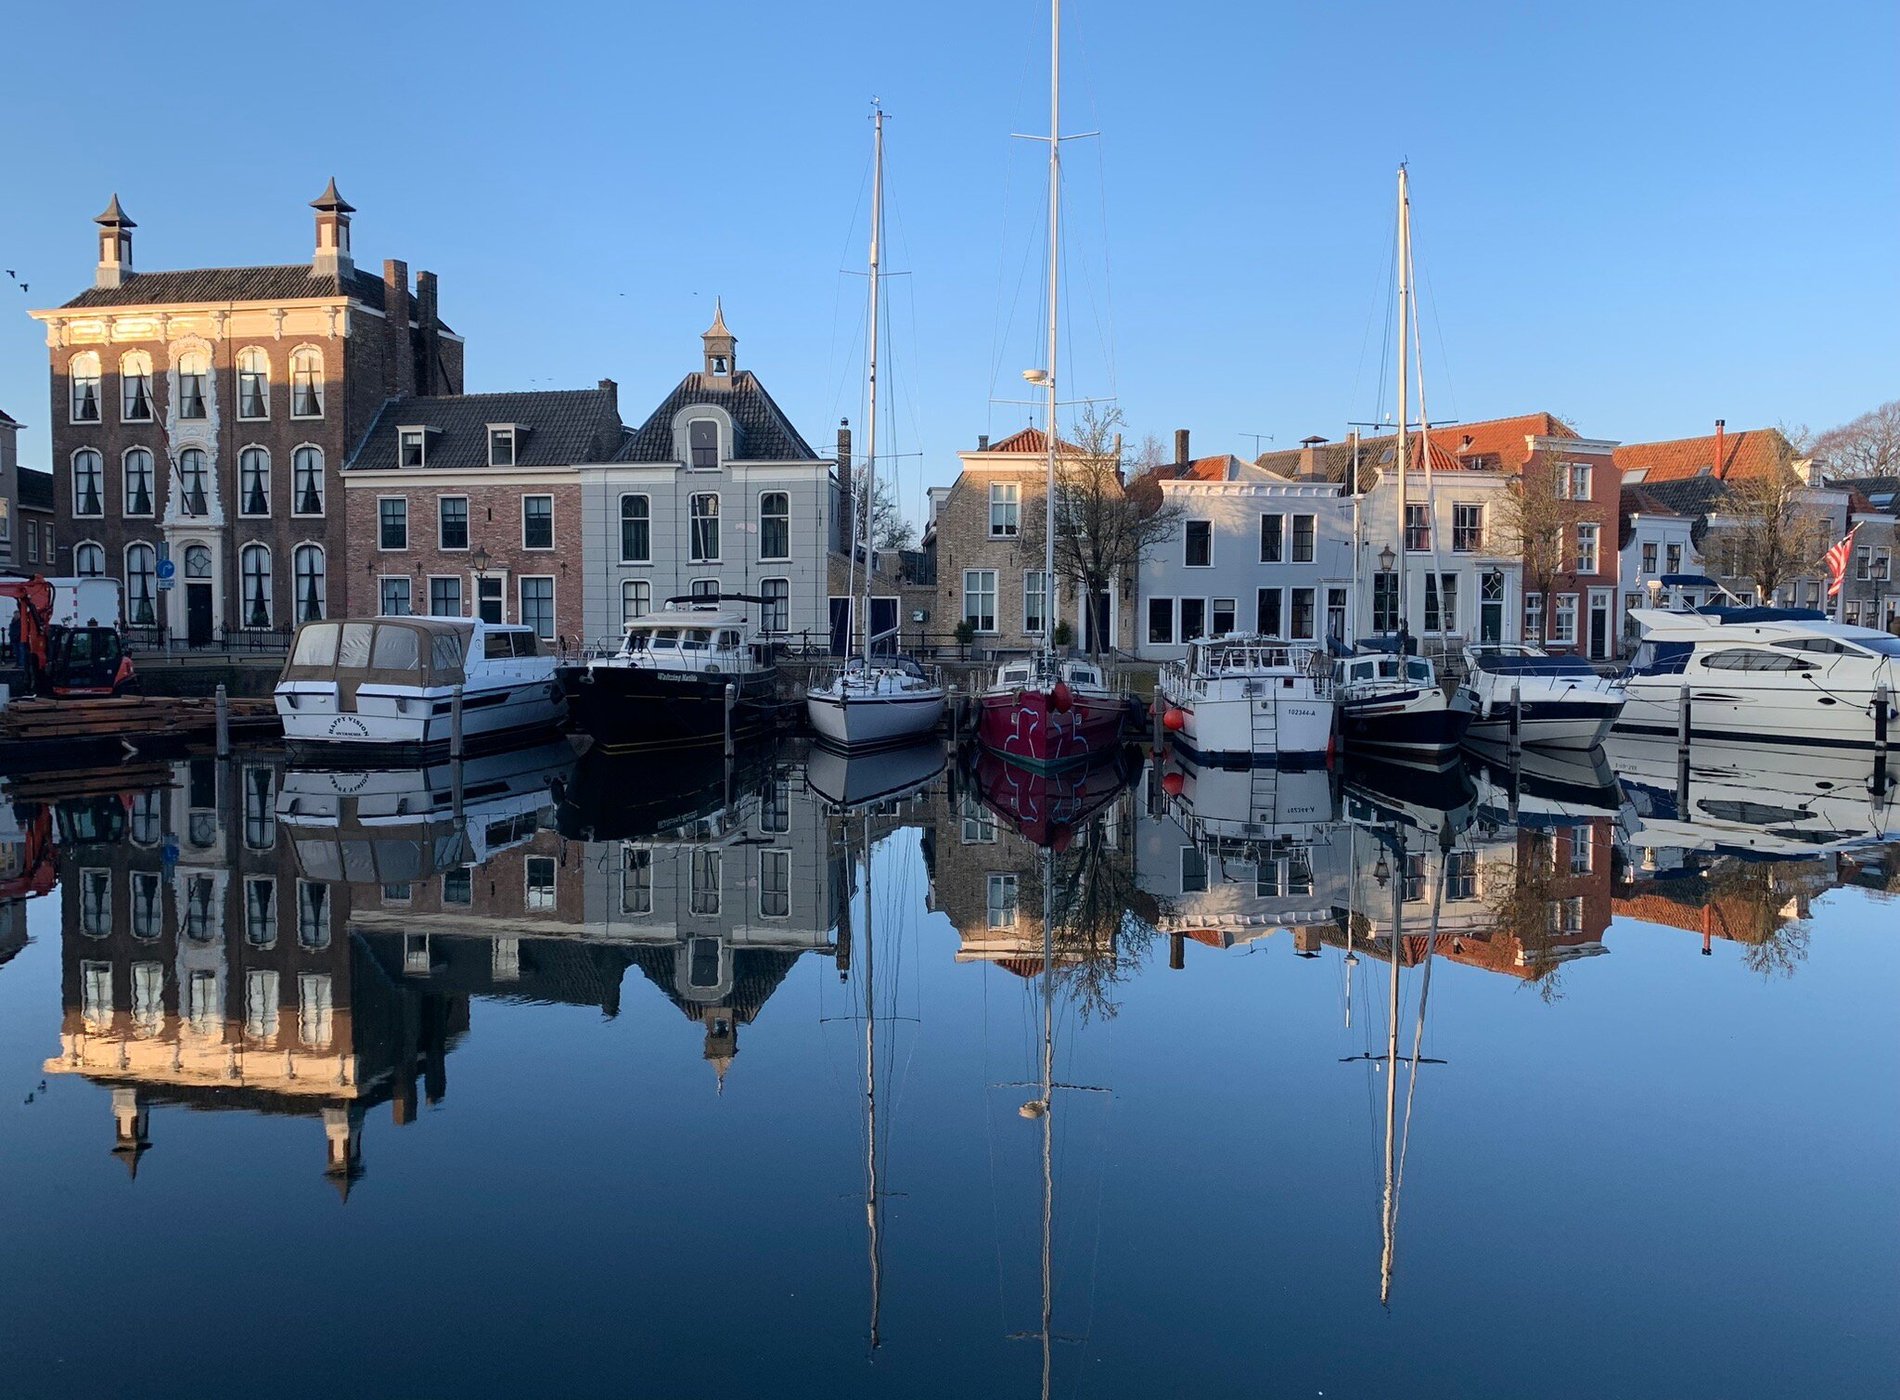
{"type": "Point", "coordinates": [871, 721]}
{"type": "Point", "coordinates": [1550, 724]}
{"type": "Point", "coordinates": [1815, 715]}
{"type": "Point", "coordinates": [1247, 731]}
{"type": "Point", "coordinates": [392, 720]}
{"type": "Point", "coordinates": [625, 709]}
{"type": "Point", "coordinates": [1413, 721]}
{"type": "Point", "coordinates": [1024, 727]}
{"type": "Point", "coordinates": [1048, 806]}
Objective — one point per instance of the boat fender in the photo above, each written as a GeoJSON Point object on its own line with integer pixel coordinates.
{"type": "Point", "coordinates": [1172, 783]}
{"type": "Point", "coordinates": [1060, 838]}
{"type": "Point", "coordinates": [1062, 699]}
{"type": "Point", "coordinates": [1174, 721]}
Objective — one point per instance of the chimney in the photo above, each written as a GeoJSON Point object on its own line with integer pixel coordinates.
{"type": "Point", "coordinates": [1310, 468]}
{"type": "Point", "coordinates": [332, 258]}
{"type": "Point", "coordinates": [399, 352]}
{"type": "Point", "coordinates": [844, 485]}
{"type": "Point", "coordinates": [982, 442]}
{"type": "Point", "coordinates": [1181, 458]}
{"type": "Point", "coordinates": [115, 246]}
{"type": "Point", "coordinates": [1177, 952]}
{"type": "Point", "coordinates": [612, 391]}
{"type": "Point", "coordinates": [429, 336]}
{"type": "Point", "coordinates": [1721, 426]}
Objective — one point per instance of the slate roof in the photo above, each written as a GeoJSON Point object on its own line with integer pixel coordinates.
{"type": "Point", "coordinates": [1455, 447]}
{"type": "Point", "coordinates": [1749, 452]}
{"type": "Point", "coordinates": [564, 427]}
{"type": "Point", "coordinates": [210, 285]}
{"type": "Point", "coordinates": [756, 974]}
{"type": "Point", "coordinates": [764, 433]}
{"type": "Point", "coordinates": [1881, 492]}
{"type": "Point", "coordinates": [1693, 497]}
{"type": "Point", "coordinates": [36, 489]}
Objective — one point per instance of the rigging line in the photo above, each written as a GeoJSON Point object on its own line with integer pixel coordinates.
{"type": "Point", "coordinates": [837, 294]}
{"type": "Point", "coordinates": [989, 1132]}
{"type": "Point", "coordinates": [1438, 325]}
{"type": "Point", "coordinates": [1372, 311]}
{"type": "Point", "coordinates": [1385, 344]}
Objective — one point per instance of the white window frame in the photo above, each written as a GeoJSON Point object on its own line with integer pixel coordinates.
{"type": "Point", "coordinates": [323, 493]}
{"type": "Point", "coordinates": [1311, 634]}
{"type": "Point", "coordinates": [553, 603]}
{"type": "Point", "coordinates": [129, 375]}
{"type": "Point", "coordinates": [782, 857]}
{"type": "Point", "coordinates": [693, 519]}
{"type": "Point", "coordinates": [784, 605]}
{"type": "Point", "coordinates": [1187, 543]}
{"type": "Point", "coordinates": [786, 556]}
{"type": "Point", "coordinates": [97, 470]}
{"type": "Point", "coordinates": [269, 579]}
{"type": "Point", "coordinates": [1649, 556]}
{"type": "Point", "coordinates": [630, 598]}
{"type": "Point", "coordinates": [402, 548]}
{"type": "Point", "coordinates": [300, 357]}
{"type": "Point", "coordinates": [528, 893]}
{"type": "Point", "coordinates": [647, 557]}
{"type": "Point", "coordinates": [1278, 535]}
{"type": "Point", "coordinates": [1009, 496]}
{"type": "Point", "coordinates": [1312, 538]}
{"type": "Point", "coordinates": [1174, 630]}
{"type": "Point", "coordinates": [1477, 543]}
{"type": "Point", "coordinates": [149, 575]}
{"type": "Point", "coordinates": [321, 555]}
{"type": "Point", "coordinates": [995, 601]}
{"type": "Point", "coordinates": [468, 524]}
{"type": "Point", "coordinates": [1558, 637]}
{"type": "Point", "coordinates": [499, 433]}
{"type": "Point", "coordinates": [719, 445]}
{"type": "Point", "coordinates": [409, 594]}
{"type": "Point", "coordinates": [461, 595]}
{"type": "Point", "coordinates": [1039, 591]}
{"type": "Point", "coordinates": [256, 352]}
{"type": "Point", "coordinates": [553, 541]}
{"type": "Point", "coordinates": [96, 377]}
{"type": "Point", "coordinates": [416, 438]}
{"type": "Point", "coordinates": [246, 454]}
{"type": "Point", "coordinates": [1593, 532]}
{"type": "Point", "coordinates": [1004, 913]}
{"type": "Point", "coordinates": [204, 377]}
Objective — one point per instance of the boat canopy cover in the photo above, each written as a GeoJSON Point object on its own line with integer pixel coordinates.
{"type": "Point", "coordinates": [1508, 663]}
{"type": "Point", "coordinates": [1731, 617]}
{"type": "Point", "coordinates": [419, 651]}
{"type": "Point", "coordinates": [1689, 581]}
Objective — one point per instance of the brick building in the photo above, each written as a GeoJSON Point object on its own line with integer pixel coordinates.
{"type": "Point", "coordinates": [202, 416]}
{"type": "Point", "coordinates": [470, 505]}
{"type": "Point", "coordinates": [34, 536]}
{"type": "Point", "coordinates": [11, 542]}
{"type": "Point", "coordinates": [988, 533]}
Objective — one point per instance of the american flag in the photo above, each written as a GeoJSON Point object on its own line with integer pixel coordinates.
{"type": "Point", "coordinates": [1837, 563]}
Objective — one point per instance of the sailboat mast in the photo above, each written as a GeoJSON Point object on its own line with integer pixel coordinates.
{"type": "Point", "coordinates": [1387, 1214]}
{"type": "Point", "coordinates": [1048, 1108]}
{"type": "Point", "coordinates": [1049, 381]}
{"type": "Point", "coordinates": [870, 434]}
{"type": "Point", "coordinates": [1405, 323]}
{"type": "Point", "coordinates": [870, 1096]}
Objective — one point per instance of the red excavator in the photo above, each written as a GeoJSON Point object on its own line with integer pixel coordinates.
{"type": "Point", "coordinates": [62, 662]}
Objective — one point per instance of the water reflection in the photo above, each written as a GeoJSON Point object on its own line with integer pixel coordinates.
{"type": "Point", "coordinates": [246, 937]}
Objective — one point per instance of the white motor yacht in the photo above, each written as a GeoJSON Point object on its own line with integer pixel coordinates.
{"type": "Point", "coordinates": [1559, 702]}
{"type": "Point", "coordinates": [1393, 703]}
{"type": "Point", "coordinates": [1764, 675]}
{"type": "Point", "coordinates": [1249, 700]}
{"type": "Point", "coordinates": [389, 684]}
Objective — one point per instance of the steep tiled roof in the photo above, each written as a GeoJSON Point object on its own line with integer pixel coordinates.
{"type": "Point", "coordinates": [1335, 458]}
{"type": "Point", "coordinates": [1693, 497]}
{"type": "Point", "coordinates": [1750, 452]}
{"type": "Point", "coordinates": [1029, 442]}
{"type": "Point", "coordinates": [564, 426]}
{"type": "Point", "coordinates": [203, 285]}
{"type": "Point", "coordinates": [765, 434]}
{"type": "Point", "coordinates": [36, 489]}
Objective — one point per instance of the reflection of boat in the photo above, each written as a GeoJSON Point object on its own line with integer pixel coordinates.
{"type": "Point", "coordinates": [628, 798]}
{"type": "Point", "coordinates": [1440, 800]}
{"type": "Point", "coordinates": [393, 825]}
{"type": "Point", "coordinates": [1750, 799]}
{"type": "Point", "coordinates": [1047, 807]}
{"type": "Point", "coordinates": [1561, 702]}
{"type": "Point", "coordinates": [1248, 699]}
{"type": "Point", "coordinates": [389, 683]}
{"type": "Point", "coordinates": [854, 780]}
{"type": "Point", "coordinates": [1248, 804]}
{"type": "Point", "coordinates": [1758, 675]}
{"type": "Point", "coordinates": [1550, 786]}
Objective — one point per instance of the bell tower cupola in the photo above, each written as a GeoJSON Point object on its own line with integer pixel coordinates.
{"type": "Point", "coordinates": [115, 246]}
{"type": "Point", "coordinates": [332, 257]}
{"type": "Point", "coordinates": [721, 362]}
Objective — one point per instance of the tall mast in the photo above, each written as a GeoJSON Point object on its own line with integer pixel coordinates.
{"type": "Point", "coordinates": [1405, 323]}
{"type": "Point", "coordinates": [1049, 383]}
{"type": "Point", "coordinates": [870, 1097]}
{"type": "Point", "coordinates": [870, 434]}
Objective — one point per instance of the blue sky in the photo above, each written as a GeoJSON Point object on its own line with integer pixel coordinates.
{"type": "Point", "coordinates": [1640, 216]}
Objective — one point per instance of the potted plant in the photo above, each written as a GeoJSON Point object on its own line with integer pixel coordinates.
{"type": "Point", "coordinates": [1063, 637]}
{"type": "Point", "coordinates": [965, 634]}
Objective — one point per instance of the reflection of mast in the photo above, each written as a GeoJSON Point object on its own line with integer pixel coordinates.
{"type": "Point", "coordinates": [873, 1242]}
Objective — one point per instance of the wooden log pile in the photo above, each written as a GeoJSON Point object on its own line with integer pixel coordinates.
{"type": "Point", "coordinates": [135, 719]}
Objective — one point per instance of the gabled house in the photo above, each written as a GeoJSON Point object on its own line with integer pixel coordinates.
{"type": "Point", "coordinates": [715, 492]}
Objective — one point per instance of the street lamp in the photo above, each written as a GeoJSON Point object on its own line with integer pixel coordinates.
{"type": "Point", "coordinates": [1387, 559]}
{"type": "Point", "coordinates": [480, 559]}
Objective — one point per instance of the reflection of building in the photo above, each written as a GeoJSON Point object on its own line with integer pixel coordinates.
{"type": "Point", "coordinates": [200, 969]}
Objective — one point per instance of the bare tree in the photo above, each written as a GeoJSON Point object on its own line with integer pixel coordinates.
{"type": "Point", "coordinates": [1769, 525]}
{"type": "Point", "coordinates": [1523, 896]}
{"type": "Point", "coordinates": [1868, 446]}
{"type": "Point", "coordinates": [1149, 455]}
{"type": "Point", "coordinates": [1533, 520]}
{"type": "Point", "coordinates": [889, 528]}
{"type": "Point", "coordinates": [1102, 532]}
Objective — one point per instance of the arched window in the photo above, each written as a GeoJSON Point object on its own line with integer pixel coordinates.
{"type": "Point", "coordinates": [197, 561]}
{"type": "Point", "coordinates": [636, 530]}
{"type": "Point", "coordinates": [636, 599]}
{"type": "Point", "coordinates": [254, 578]}
{"type": "Point", "coordinates": [138, 481]}
{"type": "Point", "coordinates": [306, 481]}
{"type": "Point", "coordinates": [192, 371]}
{"type": "Point", "coordinates": [84, 372]}
{"type": "Point", "coordinates": [307, 564]}
{"type": "Point", "coordinates": [135, 387]}
{"type": "Point", "coordinates": [254, 481]}
{"type": "Point", "coordinates": [141, 585]}
{"type": "Point", "coordinates": [194, 474]}
{"type": "Point", "coordinates": [775, 525]}
{"type": "Point", "coordinates": [89, 560]}
{"type": "Point", "coordinates": [253, 375]}
{"type": "Point", "coordinates": [89, 483]}
{"type": "Point", "coordinates": [306, 382]}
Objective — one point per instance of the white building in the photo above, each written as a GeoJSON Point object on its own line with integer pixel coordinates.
{"type": "Point", "coordinates": [715, 493]}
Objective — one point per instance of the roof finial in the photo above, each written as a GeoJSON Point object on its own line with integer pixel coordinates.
{"type": "Point", "coordinates": [114, 217]}
{"type": "Point", "coordinates": [720, 344]}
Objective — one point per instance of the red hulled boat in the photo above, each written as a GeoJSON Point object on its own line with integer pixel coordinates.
{"type": "Point", "coordinates": [1050, 713]}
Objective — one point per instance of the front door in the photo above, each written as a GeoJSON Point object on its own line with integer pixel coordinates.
{"type": "Point", "coordinates": [198, 614]}
{"type": "Point", "coordinates": [1491, 607]}
{"type": "Point", "coordinates": [884, 626]}
{"type": "Point", "coordinates": [1096, 636]}
{"type": "Point", "coordinates": [1599, 623]}
{"type": "Point", "coordinates": [840, 626]}
{"type": "Point", "coordinates": [488, 599]}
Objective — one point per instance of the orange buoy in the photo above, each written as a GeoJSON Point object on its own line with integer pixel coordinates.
{"type": "Point", "coordinates": [1061, 699]}
{"type": "Point", "coordinates": [1172, 783]}
{"type": "Point", "coordinates": [1174, 721]}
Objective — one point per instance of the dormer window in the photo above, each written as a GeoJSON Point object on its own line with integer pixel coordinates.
{"type": "Point", "coordinates": [702, 442]}
{"type": "Point", "coordinates": [501, 444]}
{"type": "Point", "coordinates": [412, 447]}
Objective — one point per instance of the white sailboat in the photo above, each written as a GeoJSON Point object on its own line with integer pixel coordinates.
{"type": "Point", "coordinates": [871, 701]}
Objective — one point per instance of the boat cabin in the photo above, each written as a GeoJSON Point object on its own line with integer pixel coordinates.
{"type": "Point", "coordinates": [425, 652]}
{"type": "Point", "coordinates": [1238, 654]}
{"type": "Point", "coordinates": [1387, 669]}
{"type": "Point", "coordinates": [1032, 672]}
{"type": "Point", "coordinates": [694, 639]}
{"type": "Point", "coordinates": [1507, 659]}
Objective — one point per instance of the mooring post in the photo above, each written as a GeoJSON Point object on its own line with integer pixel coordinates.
{"type": "Point", "coordinates": [1154, 718]}
{"type": "Point", "coordinates": [455, 723]}
{"type": "Point", "coordinates": [955, 708]}
{"type": "Point", "coordinates": [1516, 729]}
{"type": "Point", "coordinates": [1684, 729]}
{"type": "Point", "coordinates": [222, 705]}
{"type": "Point", "coordinates": [732, 700]}
{"type": "Point", "coordinates": [1881, 711]}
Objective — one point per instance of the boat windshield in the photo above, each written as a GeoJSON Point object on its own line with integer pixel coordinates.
{"type": "Point", "coordinates": [1879, 646]}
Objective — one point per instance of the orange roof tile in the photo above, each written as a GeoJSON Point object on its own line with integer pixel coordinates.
{"type": "Point", "coordinates": [1029, 442]}
{"type": "Point", "coordinates": [1750, 452]}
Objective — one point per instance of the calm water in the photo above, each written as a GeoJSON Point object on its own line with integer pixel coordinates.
{"type": "Point", "coordinates": [638, 1079]}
